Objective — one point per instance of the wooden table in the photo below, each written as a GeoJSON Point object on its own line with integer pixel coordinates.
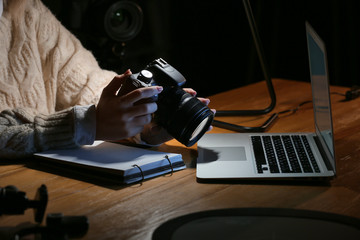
{"type": "Point", "coordinates": [134, 212]}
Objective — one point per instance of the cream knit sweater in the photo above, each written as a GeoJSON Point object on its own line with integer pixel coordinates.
{"type": "Point", "coordinates": [45, 76]}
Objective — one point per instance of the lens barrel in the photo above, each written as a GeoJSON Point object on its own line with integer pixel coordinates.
{"type": "Point", "coordinates": [185, 117]}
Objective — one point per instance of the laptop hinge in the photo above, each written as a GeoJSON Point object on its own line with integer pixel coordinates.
{"type": "Point", "coordinates": [323, 154]}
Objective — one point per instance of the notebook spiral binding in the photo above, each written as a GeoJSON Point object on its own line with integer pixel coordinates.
{"type": "Point", "coordinates": [171, 166]}
{"type": "Point", "coordinates": [142, 173]}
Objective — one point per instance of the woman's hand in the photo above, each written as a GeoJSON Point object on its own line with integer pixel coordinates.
{"type": "Point", "coordinates": [117, 117]}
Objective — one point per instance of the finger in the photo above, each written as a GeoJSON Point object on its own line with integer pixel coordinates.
{"type": "Point", "coordinates": [142, 120]}
{"type": "Point", "coordinates": [191, 91]}
{"type": "Point", "coordinates": [116, 83]}
{"type": "Point", "coordinates": [142, 93]}
{"type": "Point", "coordinates": [139, 110]}
{"type": "Point", "coordinates": [205, 101]}
{"type": "Point", "coordinates": [142, 109]}
{"type": "Point", "coordinates": [154, 128]}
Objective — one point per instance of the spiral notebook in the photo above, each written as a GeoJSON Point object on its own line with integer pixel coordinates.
{"type": "Point", "coordinates": [114, 162]}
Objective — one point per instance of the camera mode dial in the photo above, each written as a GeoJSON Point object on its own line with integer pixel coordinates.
{"type": "Point", "coordinates": [145, 76]}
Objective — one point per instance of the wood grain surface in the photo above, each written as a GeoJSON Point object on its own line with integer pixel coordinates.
{"type": "Point", "coordinates": [134, 212]}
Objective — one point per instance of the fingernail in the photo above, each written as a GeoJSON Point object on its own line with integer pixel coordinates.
{"type": "Point", "coordinates": [127, 72]}
{"type": "Point", "coordinates": [159, 88]}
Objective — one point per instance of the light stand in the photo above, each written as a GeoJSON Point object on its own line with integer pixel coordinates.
{"type": "Point", "coordinates": [264, 67]}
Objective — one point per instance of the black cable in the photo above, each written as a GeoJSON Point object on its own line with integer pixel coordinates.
{"type": "Point", "coordinates": [239, 128]}
{"type": "Point", "coordinates": [337, 93]}
{"type": "Point", "coordinates": [294, 110]}
{"type": "Point", "coordinates": [266, 125]}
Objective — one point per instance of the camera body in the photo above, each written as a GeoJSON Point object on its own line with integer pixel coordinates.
{"type": "Point", "coordinates": [157, 73]}
{"type": "Point", "coordinates": [182, 115]}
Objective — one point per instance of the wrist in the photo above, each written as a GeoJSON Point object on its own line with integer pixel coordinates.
{"type": "Point", "coordinates": [85, 124]}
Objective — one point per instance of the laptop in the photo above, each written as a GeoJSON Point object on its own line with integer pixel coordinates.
{"type": "Point", "coordinates": [278, 155]}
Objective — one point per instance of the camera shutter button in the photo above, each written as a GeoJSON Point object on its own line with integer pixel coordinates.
{"type": "Point", "coordinates": [145, 76]}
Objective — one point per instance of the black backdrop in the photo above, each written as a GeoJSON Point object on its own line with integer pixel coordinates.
{"type": "Point", "coordinates": [210, 43]}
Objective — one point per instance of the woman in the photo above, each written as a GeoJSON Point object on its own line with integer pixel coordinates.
{"type": "Point", "coordinates": [53, 93]}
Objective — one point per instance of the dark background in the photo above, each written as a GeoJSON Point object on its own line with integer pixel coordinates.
{"type": "Point", "coordinates": [210, 41]}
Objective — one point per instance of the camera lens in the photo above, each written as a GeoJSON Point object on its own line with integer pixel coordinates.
{"type": "Point", "coordinates": [183, 116]}
{"type": "Point", "coordinates": [120, 19]}
{"type": "Point", "coordinates": [199, 129]}
{"type": "Point", "coordinates": [123, 20]}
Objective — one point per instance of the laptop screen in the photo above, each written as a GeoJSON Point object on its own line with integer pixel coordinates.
{"type": "Point", "coordinates": [320, 91]}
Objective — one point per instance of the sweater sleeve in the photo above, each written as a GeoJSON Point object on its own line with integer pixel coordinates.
{"type": "Point", "coordinates": [73, 84]}
{"type": "Point", "coordinates": [22, 132]}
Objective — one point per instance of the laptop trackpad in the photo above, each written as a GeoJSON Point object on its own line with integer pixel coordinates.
{"type": "Point", "coordinates": [224, 154]}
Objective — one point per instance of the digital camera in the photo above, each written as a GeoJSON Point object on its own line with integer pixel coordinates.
{"type": "Point", "coordinates": [182, 115]}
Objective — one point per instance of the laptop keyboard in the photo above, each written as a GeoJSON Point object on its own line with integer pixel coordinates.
{"type": "Point", "coordinates": [284, 154]}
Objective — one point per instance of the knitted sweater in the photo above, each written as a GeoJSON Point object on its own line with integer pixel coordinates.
{"type": "Point", "coordinates": [48, 84]}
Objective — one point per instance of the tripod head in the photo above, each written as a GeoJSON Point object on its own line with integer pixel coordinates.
{"type": "Point", "coordinates": [58, 226]}
{"type": "Point", "coordinates": [14, 202]}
